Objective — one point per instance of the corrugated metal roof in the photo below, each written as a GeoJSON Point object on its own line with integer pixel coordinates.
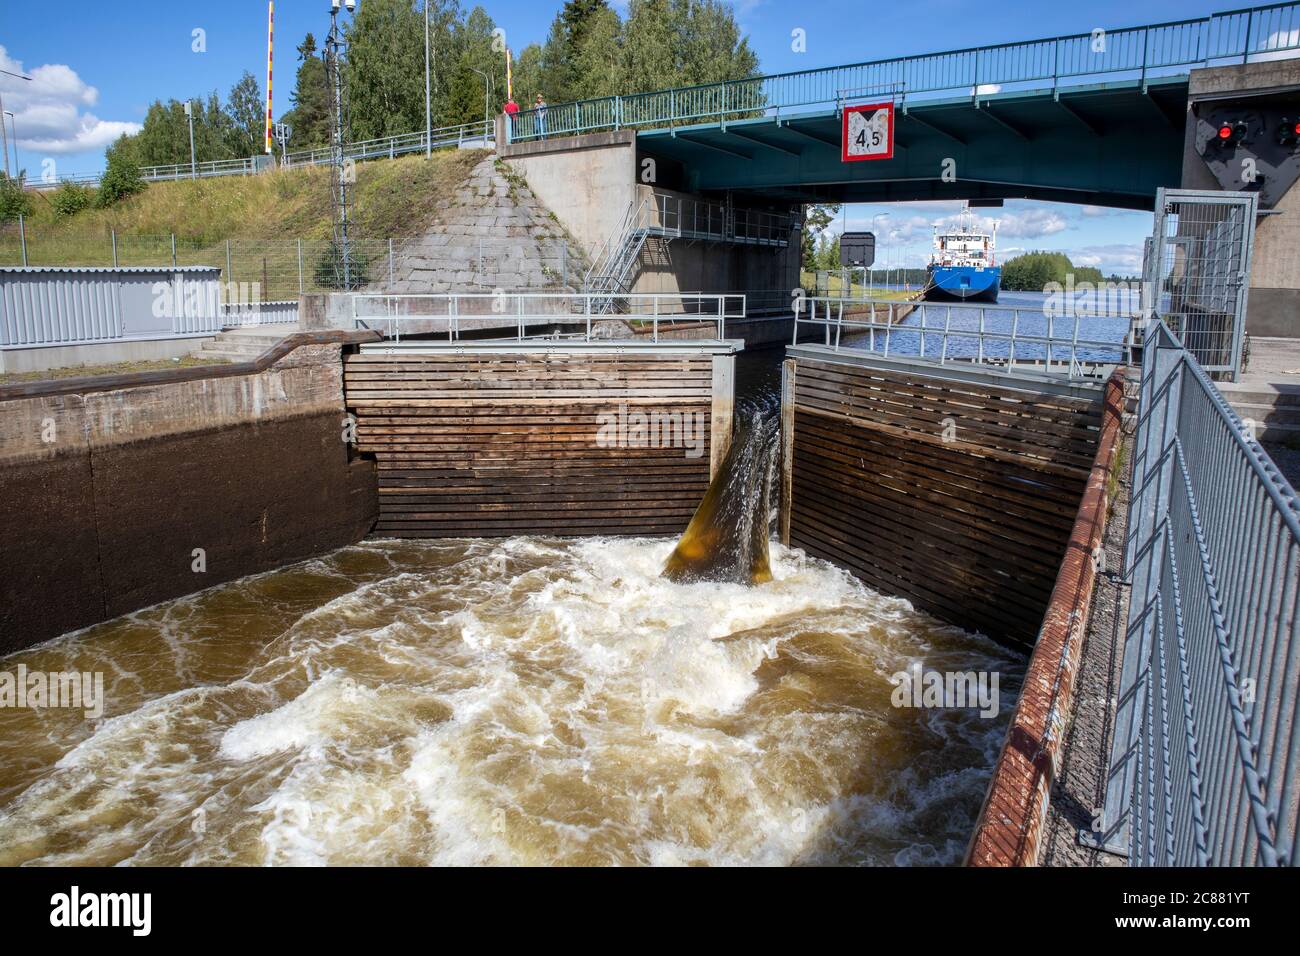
{"type": "Point", "coordinates": [119, 270]}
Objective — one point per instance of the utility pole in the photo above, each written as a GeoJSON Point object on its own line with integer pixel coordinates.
{"type": "Point", "coordinates": [339, 174]}
{"type": "Point", "coordinates": [189, 113]}
{"type": "Point", "coordinates": [428, 103]}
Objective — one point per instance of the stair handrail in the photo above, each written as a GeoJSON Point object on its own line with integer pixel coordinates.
{"type": "Point", "coordinates": [609, 249]}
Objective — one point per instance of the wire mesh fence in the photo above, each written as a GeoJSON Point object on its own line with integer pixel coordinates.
{"type": "Point", "coordinates": [275, 270]}
{"type": "Point", "coordinates": [1205, 760]}
{"type": "Point", "coordinates": [1201, 251]}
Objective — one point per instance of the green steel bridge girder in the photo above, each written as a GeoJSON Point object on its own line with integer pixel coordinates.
{"type": "Point", "coordinates": [1109, 144]}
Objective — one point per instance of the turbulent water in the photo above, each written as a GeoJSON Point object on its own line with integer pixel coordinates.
{"type": "Point", "coordinates": [727, 538]}
{"type": "Point", "coordinates": [524, 701]}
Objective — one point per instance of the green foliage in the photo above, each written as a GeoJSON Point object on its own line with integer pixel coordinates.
{"type": "Point", "coordinates": [465, 101]}
{"type": "Point", "coordinates": [589, 52]}
{"type": "Point", "coordinates": [14, 201]}
{"type": "Point", "coordinates": [329, 268]}
{"type": "Point", "coordinates": [69, 199]}
{"type": "Point", "coordinates": [384, 69]}
{"type": "Point", "coordinates": [826, 256]}
{"type": "Point", "coordinates": [311, 116]}
{"type": "Point", "coordinates": [816, 218]}
{"type": "Point", "coordinates": [246, 131]}
{"type": "Point", "coordinates": [165, 137]}
{"type": "Point", "coordinates": [120, 179]}
{"type": "Point", "coordinates": [1032, 271]}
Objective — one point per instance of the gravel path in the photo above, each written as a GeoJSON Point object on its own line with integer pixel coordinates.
{"type": "Point", "coordinates": [1079, 790]}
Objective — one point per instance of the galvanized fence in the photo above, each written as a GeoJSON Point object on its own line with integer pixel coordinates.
{"type": "Point", "coordinates": [1199, 266]}
{"type": "Point", "coordinates": [276, 270]}
{"type": "Point", "coordinates": [1140, 53]}
{"type": "Point", "coordinates": [1205, 755]}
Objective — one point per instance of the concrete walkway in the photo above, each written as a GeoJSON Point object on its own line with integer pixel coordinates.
{"type": "Point", "coordinates": [1267, 397]}
{"type": "Point", "coordinates": [244, 344]}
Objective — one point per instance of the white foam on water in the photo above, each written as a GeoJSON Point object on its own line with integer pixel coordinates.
{"type": "Point", "coordinates": [534, 701]}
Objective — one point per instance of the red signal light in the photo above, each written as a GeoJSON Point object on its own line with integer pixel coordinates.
{"type": "Point", "coordinates": [1225, 131]}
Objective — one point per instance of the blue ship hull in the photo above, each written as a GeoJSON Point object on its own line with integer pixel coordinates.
{"type": "Point", "coordinates": [964, 284]}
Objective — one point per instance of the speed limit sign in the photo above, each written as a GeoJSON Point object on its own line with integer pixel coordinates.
{"type": "Point", "coordinates": [868, 132]}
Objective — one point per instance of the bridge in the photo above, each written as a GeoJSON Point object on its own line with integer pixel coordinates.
{"type": "Point", "coordinates": [1092, 118]}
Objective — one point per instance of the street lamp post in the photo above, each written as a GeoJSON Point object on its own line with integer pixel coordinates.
{"type": "Point", "coordinates": [14, 123]}
{"type": "Point", "coordinates": [487, 116]}
{"type": "Point", "coordinates": [4, 135]}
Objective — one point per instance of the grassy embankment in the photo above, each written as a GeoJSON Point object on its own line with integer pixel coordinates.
{"type": "Point", "coordinates": [836, 287]}
{"type": "Point", "coordinates": [261, 215]}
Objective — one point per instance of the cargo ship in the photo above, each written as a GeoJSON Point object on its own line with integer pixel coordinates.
{"type": "Point", "coordinates": [963, 266]}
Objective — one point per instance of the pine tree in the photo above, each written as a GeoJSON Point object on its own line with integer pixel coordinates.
{"type": "Point", "coordinates": [650, 47]}
{"type": "Point", "coordinates": [310, 117]}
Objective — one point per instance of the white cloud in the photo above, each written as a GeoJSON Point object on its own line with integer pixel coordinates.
{"type": "Point", "coordinates": [1281, 45]}
{"type": "Point", "coordinates": [49, 110]}
{"type": "Point", "coordinates": [1122, 258]}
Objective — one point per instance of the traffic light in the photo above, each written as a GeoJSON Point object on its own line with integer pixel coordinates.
{"type": "Point", "coordinates": [1231, 133]}
{"type": "Point", "coordinates": [1288, 132]}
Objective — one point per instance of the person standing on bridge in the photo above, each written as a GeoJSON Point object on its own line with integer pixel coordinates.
{"type": "Point", "coordinates": [510, 109]}
{"type": "Point", "coordinates": [539, 106]}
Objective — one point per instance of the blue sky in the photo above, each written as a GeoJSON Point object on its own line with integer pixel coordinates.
{"type": "Point", "coordinates": [99, 65]}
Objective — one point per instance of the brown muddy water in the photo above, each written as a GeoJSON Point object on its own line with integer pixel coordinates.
{"type": "Point", "coordinates": [521, 701]}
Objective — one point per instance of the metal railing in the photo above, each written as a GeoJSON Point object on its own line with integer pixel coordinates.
{"type": "Point", "coordinates": [241, 314]}
{"type": "Point", "coordinates": [451, 315]}
{"type": "Point", "coordinates": [387, 147]}
{"type": "Point", "coordinates": [204, 170]}
{"type": "Point", "coordinates": [1139, 52]}
{"type": "Point", "coordinates": [681, 217]}
{"type": "Point", "coordinates": [1077, 343]}
{"type": "Point", "coordinates": [1205, 755]}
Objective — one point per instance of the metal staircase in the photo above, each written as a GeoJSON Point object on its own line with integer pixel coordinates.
{"type": "Point", "coordinates": [672, 217]}
{"type": "Point", "coordinates": [615, 260]}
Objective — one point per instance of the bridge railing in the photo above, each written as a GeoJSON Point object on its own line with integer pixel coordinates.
{"type": "Point", "coordinates": [1075, 342]}
{"type": "Point", "coordinates": [1142, 52]}
{"type": "Point", "coordinates": [452, 315]}
{"type": "Point", "coordinates": [1205, 758]}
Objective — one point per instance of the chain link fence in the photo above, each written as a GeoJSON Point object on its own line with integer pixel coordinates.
{"type": "Point", "coordinates": [275, 270]}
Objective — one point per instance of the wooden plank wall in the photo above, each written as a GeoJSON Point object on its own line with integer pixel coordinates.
{"type": "Point", "coordinates": [491, 444]}
{"type": "Point", "coordinates": [957, 496]}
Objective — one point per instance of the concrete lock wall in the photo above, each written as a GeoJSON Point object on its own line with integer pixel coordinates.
{"type": "Point", "coordinates": [606, 165]}
{"type": "Point", "coordinates": [1274, 299]}
{"type": "Point", "coordinates": [111, 484]}
{"type": "Point", "coordinates": [587, 181]}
